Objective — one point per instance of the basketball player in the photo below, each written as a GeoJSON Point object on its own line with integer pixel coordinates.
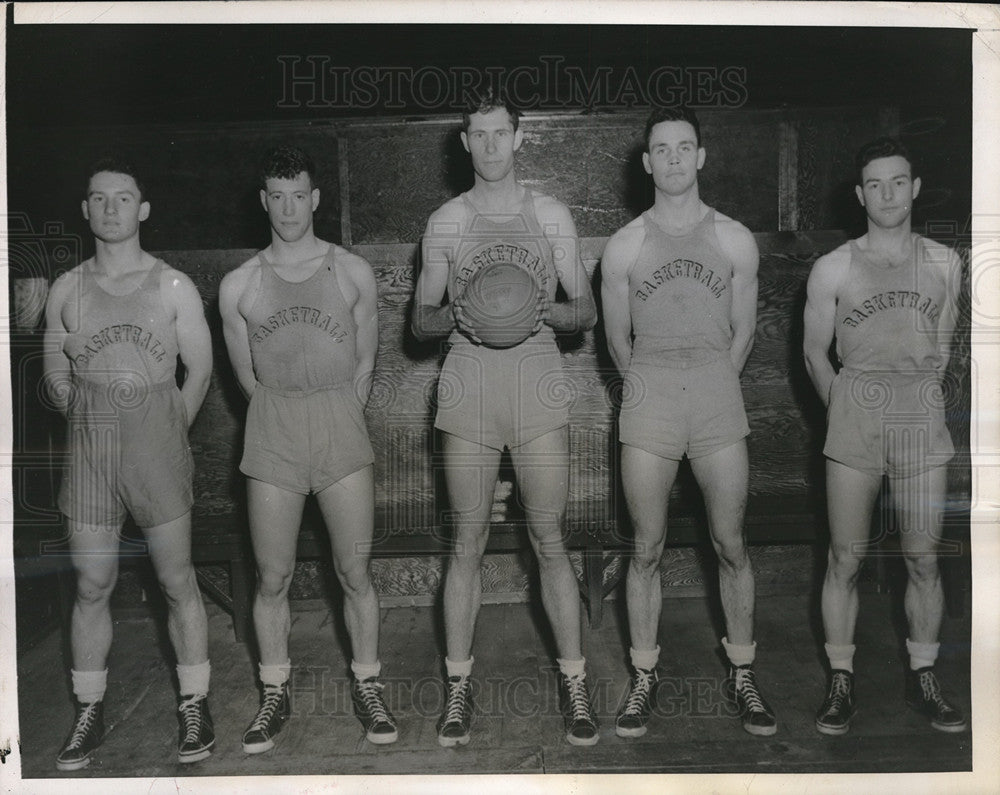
{"type": "Point", "coordinates": [889, 300]}
{"type": "Point", "coordinates": [115, 326]}
{"type": "Point", "coordinates": [490, 399]}
{"type": "Point", "coordinates": [679, 290]}
{"type": "Point", "coordinates": [301, 327]}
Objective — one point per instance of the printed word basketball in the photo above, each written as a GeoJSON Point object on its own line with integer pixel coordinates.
{"type": "Point", "coordinates": [500, 304]}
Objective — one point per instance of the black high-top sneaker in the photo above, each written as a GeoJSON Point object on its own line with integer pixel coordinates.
{"type": "Point", "coordinates": [196, 738]}
{"type": "Point", "coordinates": [923, 693]}
{"type": "Point", "coordinates": [271, 716]}
{"type": "Point", "coordinates": [834, 717]}
{"type": "Point", "coordinates": [453, 728]}
{"type": "Point", "coordinates": [86, 735]}
{"type": "Point", "coordinates": [634, 714]}
{"type": "Point", "coordinates": [578, 713]}
{"type": "Point", "coordinates": [369, 706]}
{"type": "Point", "coordinates": [757, 716]}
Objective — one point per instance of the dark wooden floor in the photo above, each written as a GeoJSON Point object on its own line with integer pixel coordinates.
{"type": "Point", "coordinates": [517, 728]}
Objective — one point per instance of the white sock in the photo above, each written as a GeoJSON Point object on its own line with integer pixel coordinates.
{"type": "Point", "coordinates": [740, 655]}
{"type": "Point", "coordinates": [922, 655]}
{"type": "Point", "coordinates": [646, 659]}
{"type": "Point", "coordinates": [193, 679]}
{"type": "Point", "coordinates": [275, 675]}
{"type": "Point", "coordinates": [364, 671]}
{"type": "Point", "coordinates": [571, 668]}
{"type": "Point", "coordinates": [459, 668]}
{"type": "Point", "coordinates": [89, 686]}
{"type": "Point", "coordinates": [841, 657]}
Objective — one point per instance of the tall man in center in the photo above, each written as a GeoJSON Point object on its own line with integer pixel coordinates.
{"type": "Point", "coordinates": [489, 399]}
{"type": "Point", "coordinates": [679, 292]}
{"type": "Point", "coordinates": [301, 326]}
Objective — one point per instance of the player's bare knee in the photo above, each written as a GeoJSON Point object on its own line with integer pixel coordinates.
{"type": "Point", "coordinates": [93, 590]}
{"type": "Point", "coordinates": [273, 583]}
{"type": "Point", "coordinates": [645, 563]}
{"type": "Point", "coordinates": [355, 580]}
{"type": "Point", "coordinates": [843, 565]}
{"type": "Point", "coordinates": [922, 567]}
{"type": "Point", "coordinates": [179, 586]}
{"type": "Point", "coordinates": [733, 554]}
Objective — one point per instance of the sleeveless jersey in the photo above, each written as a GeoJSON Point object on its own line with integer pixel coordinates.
{"type": "Point", "coordinates": [302, 334]}
{"type": "Point", "coordinates": [515, 238]}
{"type": "Point", "coordinates": [887, 317]}
{"type": "Point", "coordinates": [123, 337]}
{"type": "Point", "coordinates": [680, 296]}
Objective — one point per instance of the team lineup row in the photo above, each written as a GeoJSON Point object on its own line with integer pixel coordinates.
{"type": "Point", "coordinates": [679, 302]}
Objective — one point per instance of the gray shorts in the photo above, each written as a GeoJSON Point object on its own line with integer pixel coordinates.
{"type": "Point", "coordinates": [128, 454]}
{"type": "Point", "coordinates": [305, 441]}
{"type": "Point", "coordinates": [502, 397]}
{"type": "Point", "coordinates": [887, 423]}
{"type": "Point", "coordinates": [673, 411]}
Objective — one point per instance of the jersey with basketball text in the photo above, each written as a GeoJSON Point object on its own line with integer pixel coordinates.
{"type": "Point", "coordinates": [680, 295]}
{"type": "Point", "coordinates": [887, 317]}
{"type": "Point", "coordinates": [302, 334]}
{"type": "Point", "coordinates": [515, 238]}
{"type": "Point", "coordinates": [123, 338]}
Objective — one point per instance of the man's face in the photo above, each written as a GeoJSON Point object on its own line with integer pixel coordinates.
{"type": "Point", "coordinates": [492, 141]}
{"type": "Point", "coordinates": [887, 191]}
{"type": "Point", "coordinates": [114, 207]}
{"type": "Point", "coordinates": [290, 204]}
{"type": "Point", "coordinates": [673, 157]}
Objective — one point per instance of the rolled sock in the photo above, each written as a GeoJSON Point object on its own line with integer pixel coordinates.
{"type": "Point", "coordinates": [571, 668]}
{"type": "Point", "coordinates": [646, 659]}
{"type": "Point", "coordinates": [922, 655]}
{"type": "Point", "coordinates": [275, 675]}
{"type": "Point", "coordinates": [89, 686]}
{"type": "Point", "coordinates": [459, 668]}
{"type": "Point", "coordinates": [740, 655]}
{"type": "Point", "coordinates": [364, 671]}
{"type": "Point", "coordinates": [193, 679]}
{"type": "Point", "coordinates": [841, 657]}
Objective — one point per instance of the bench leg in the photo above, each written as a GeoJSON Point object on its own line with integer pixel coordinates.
{"type": "Point", "coordinates": [241, 579]}
{"type": "Point", "coordinates": [594, 576]}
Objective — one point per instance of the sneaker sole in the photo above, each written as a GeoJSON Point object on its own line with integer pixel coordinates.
{"type": "Point", "coordinates": [759, 731]}
{"type": "Point", "coordinates": [258, 748]}
{"type": "Point", "coordinates": [70, 766]}
{"type": "Point", "coordinates": [582, 741]}
{"type": "Point", "coordinates": [196, 756]}
{"type": "Point", "coordinates": [382, 739]}
{"type": "Point", "coordinates": [622, 732]}
{"type": "Point", "coordinates": [832, 731]}
{"type": "Point", "coordinates": [451, 742]}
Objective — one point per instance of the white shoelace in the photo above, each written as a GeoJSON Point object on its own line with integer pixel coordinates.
{"type": "Point", "coordinates": [746, 685]}
{"type": "Point", "coordinates": [371, 697]}
{"type": "Point", "coordinates": [272, 698]}
{"type": "Point", "coordinates": [640, 693]}
{"type": "Point", "coordinates": [83, 724]}
{"type": "Point", "coordinates": [192, 717]}
{"type": "Point", "coordinates": [457, 700]}
{"type": "Point", "coordinates": [576, 687]}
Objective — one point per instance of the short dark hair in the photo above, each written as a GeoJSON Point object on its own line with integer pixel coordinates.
{"type": "Point", "coordinates": [882, 147]}
{"type": "Point", "coordinates": [487, 102]}
{"type": "Point", "coordinates": [286, 162]}
{"type": "Point", "coordinates": [115, 163]}
{"type": "Point", "coordinates": [675, 113]}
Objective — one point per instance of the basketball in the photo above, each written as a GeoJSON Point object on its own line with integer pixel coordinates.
{"type": "Point", "coordinates": [500, 303]}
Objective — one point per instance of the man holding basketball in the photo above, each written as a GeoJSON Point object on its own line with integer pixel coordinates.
{"type": "Point", "coordinates": [492, 398]}
{"type": "Point", "coordinates": [679, 291]}
{"type": "Point", "coordinates": [889, 299]}
{"type": "Point", "coordinates": [301, 326]}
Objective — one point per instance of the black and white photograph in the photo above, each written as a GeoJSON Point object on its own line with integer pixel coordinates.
{"type": "Point", "coordinates": [559, 396]}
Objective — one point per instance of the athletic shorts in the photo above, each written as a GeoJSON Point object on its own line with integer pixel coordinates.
{"type": "Point", "coordinates": [305, 441]}
{"type": "Point", "coordinates": [502, 397]}
{"type": "Point", "coordinates": [673, 411]}
{"type": "Point", "coordinates": [128, 453]}
{"type": "Point", "coordinates": [887, 423]}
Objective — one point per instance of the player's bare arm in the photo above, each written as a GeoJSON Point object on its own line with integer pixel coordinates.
{"type": "Point", "coordinates": [235, 287]}
{"type": "Point", "coordinates": [55, 364]}
{"type": "Point", "coordinates": [820, 313]}
{"type": "Point", "coordinates": [739, 245]}
{"type": "Point", "coordinates": [578, 312]}
{"type": "Point", "coordinates": [620, 254]}
{"type": "Point", "coordinates": [194, 341]}
{"type": "Point", "coordinates": [951, 264]}
{"type": "Point", "coordinates": [364, 310]}
{"type": "Point", "coordinates": [432, 318]}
